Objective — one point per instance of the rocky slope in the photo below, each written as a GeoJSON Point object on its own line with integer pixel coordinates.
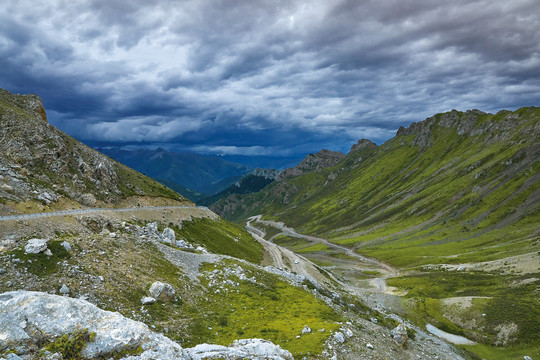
{"type": "Point", "coordinates": [41, 168]}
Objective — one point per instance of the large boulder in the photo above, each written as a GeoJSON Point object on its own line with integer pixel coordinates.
{"type": "Point", "coordinates": [29, 319]}
{"type": "Point", "coordinates": [36, 246]}
{"type": "Point", "coordinates": [400, 335]}
{"type": "Point", "coordinates": [240, 349]}
{"type": "Point", "coordinates": [168, 236]}
{"type": "Point", "coordinates": [162, 291]}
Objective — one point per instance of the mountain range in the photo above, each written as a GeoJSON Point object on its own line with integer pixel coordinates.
{"type": "Point", "coordinates": [190, 174]}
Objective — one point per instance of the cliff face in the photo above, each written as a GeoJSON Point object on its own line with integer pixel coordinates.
{"type": "Point", "coordinates": [41, 164]}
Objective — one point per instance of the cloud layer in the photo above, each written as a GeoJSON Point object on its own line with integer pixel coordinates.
{"type": "Point", "coordinates": [269, 77]}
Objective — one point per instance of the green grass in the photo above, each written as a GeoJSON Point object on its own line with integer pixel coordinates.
{"type": "Point", "coordinates": [221, 237]}
{"type": "Point", "coordinates": [270, 309]}
{"type": "Point", "coordinates": [507, 302]}
{"type": "Point", "coordinates": [41, 264]}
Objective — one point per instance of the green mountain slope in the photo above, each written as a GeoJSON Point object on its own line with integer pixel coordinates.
{"type": "Point", "coordinates": [454, 202]}
{"type": "Point", "coordinates": [466, 178]}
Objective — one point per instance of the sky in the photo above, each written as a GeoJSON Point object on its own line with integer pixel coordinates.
{"type": "Point", "coordinates": [265, 78]}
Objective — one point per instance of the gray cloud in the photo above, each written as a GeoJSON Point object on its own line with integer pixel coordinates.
{"type": "Point", "coordinates": [281, 77]}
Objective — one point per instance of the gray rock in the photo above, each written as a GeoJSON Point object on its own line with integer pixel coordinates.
{"type": "Point", "coordinates": [48, 252]}
{"type": "Point", "coordinates": [66, 245]}
{"type": "Point", "coordinates": [3, 271]}
{"type": "Point", "coordinates": [338, 336]}
{"type": "Point", "coordinates": [147, 300]}
{"type": "Point", "coordinates": [400, 335]}
{"type": "Point", "coordinates": [57, 315]}
{"type": "Point", "coordinates": [35, 246]}
{"type": "Point", "coordinates": [369, 346]}
{"type": "Point", "coordinates": [162, 291]}
{"type": "Point", "coordinates": [527, 357]}
{"type": "Point", "coordinates": [306, 330]}
{"type": "Point", "coordinates": [168, 236]}
{"type": "Point", "coordinates": [13, 357]}
{"type": "Point", "coordinates": [240, 349]}
{"type": "Point", "coordinates": [64, 289]}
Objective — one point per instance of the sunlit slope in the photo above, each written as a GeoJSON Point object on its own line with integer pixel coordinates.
{"type": "Point", "coordinates": [458, 183]}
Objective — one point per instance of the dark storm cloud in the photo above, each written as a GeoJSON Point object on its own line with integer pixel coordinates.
{"type": "Point", "coordinates": [280, 77]}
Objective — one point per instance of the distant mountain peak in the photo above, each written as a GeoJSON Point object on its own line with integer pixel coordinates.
{"type": "Point", "coordinates": [312, 162]}
{"type": "Point", "coordinates": [362, 144]}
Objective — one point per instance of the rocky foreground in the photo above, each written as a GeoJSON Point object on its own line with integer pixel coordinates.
{"type": "Point", "coordinates": [29, 320]}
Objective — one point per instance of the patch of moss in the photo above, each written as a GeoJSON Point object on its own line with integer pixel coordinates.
{"type": "Point", "coordinates": [41, 264]}
{"type": "Point", "coordinates": [71, 345]}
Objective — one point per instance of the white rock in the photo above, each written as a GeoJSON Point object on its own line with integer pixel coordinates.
{"type": "Point", "coordinates": [527, 357]}
{"type": "Point", "coordinates": [369, 346]}
{"type": "Point", "coordinates": [66, 245]}
{"type": "Point", "coordinates": [306, 330]}
{"type": "Point", "coordinates": [113, 235]}
{"type": "Point", "coordinates": [168, 236]}
{"type": "Point", "coordinates": [240, 349]}
{"type": "Point", "coordinates": [147, 300]}
{"type": "Point", "coordinates": [101, 278]}
{"type": "Point", "coordinates": [56, 315]}
{"type": "Point", "coordinates": [339, 337]}
{"type": "Point", "coordinates": [348, 333]}
{"type": "Point", "coordinates": [162, 291]}
{"type": "Point", "coordinates": [48, 252]}
{"type": "Point", "coordinates": [35, 246]}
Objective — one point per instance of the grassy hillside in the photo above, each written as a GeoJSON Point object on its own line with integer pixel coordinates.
{"type": "Point", "coordinates": [454, 183]}
{"type": "Point", "coordinates": [455, 202]}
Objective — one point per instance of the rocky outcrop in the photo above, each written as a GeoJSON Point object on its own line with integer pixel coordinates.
{"type": "Point", "coordinates": [266, 173]}
{"type": "Point", "coordinates": [312, 162]}
{"type": "Point", "coordinates": [30, 319]}
{"type": "Point", "coordinates": [363, 144]}
{"type": "Point", "coordinates": [502, 126]}
{"type": "Point", "coordinates": [41, 163]}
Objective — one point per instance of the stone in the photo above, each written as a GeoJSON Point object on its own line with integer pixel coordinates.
{"type": "Point", "coordinates": [48, 252]}
{"type": "Point", "coordinates": [240, 349]}
{"type": "Point", "coordinates": [113, 235]}
{"type": "Point", "coordinates": [306, 330]}
{"type": "Point", "coordinates": [168, 236]}
{"type": "Point", "coordinates": [400, 335]}
{"type": "Point", "coordinates": [64, 289]}
{"type": "Point", "coordinates": [35, 246]}
{"type": "Point", "coordinates": [369, 346]}
{"type": "Point", "coordinates": [66, 245]}
{"type": "Point", "coordinates": [57, 315]}
{"type": "Point", "coordinates": [101, 278]}
{"type": "Point", "coordinates": [348, 333]}
{"type": "Point", "coordinates": [162, 291]}
{"type": "Point", "coordinates": [3, 271]}
{"type": "Point", "coordinates": [338, 336]}
{"type": "Point", "coordinates": [527, 357]}
{"type": "Point", "coordinates": [147, 300]}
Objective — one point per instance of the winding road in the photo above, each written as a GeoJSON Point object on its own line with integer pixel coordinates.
{"type": "Point", "coordinates": [387, 269]}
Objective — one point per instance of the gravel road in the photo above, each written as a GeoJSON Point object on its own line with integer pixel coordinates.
{"type": "Point", "coordinates": [91, 210]}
